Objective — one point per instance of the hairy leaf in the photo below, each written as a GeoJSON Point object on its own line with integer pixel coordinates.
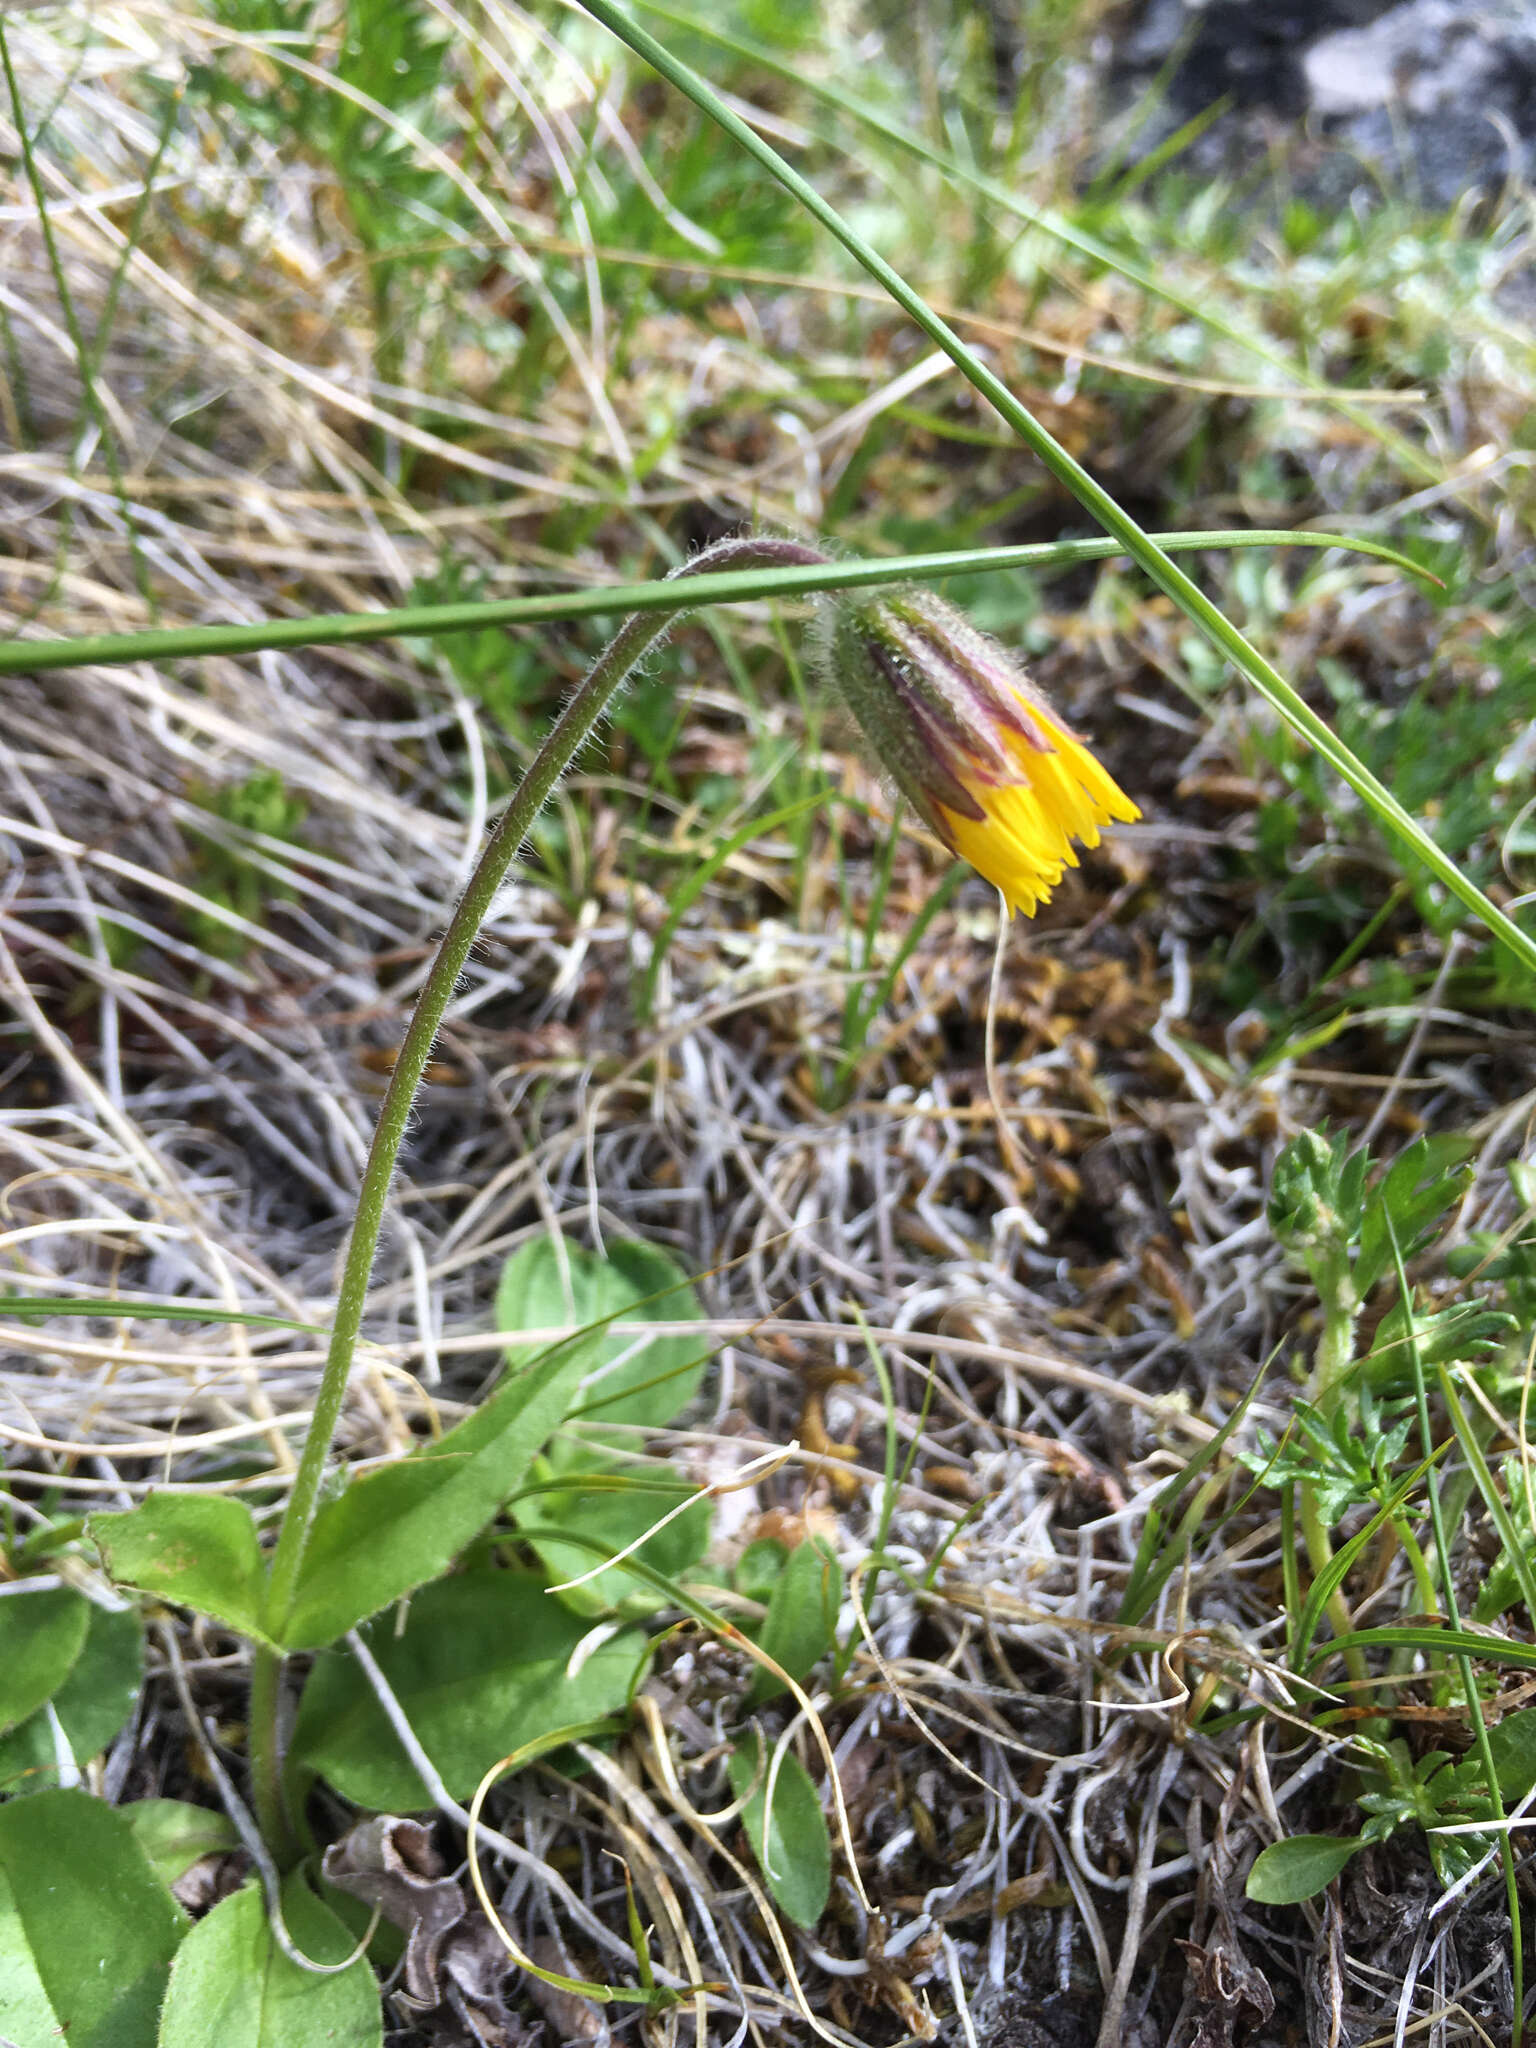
{"type": "Point", "coordinates": [91, 1705]}
{"type": "Point", "coordinates": [87, 1930]}
{"type": "Point", "coordinates": [480, 1668]}
{"type": "Point", "coordinates": [41, 1636]}
{"type": "Point", "coordinates": [395, 1529]}
{"type": "Point", "coordinates": [198, 1550]}
{"type": "Point", "coordinates": [232, 1986]}
{"type": "Point", "coordinates": [802, 1618]}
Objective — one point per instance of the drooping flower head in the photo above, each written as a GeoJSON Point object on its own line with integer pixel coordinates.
{"type": "Point", "coordinates": [970, 741]}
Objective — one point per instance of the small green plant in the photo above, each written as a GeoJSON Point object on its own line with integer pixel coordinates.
{"type": "Point", "coordinates": [1348, 1460]}
{"type": "Point", "coordinates": [1341, 1227]}
{"type": "Point", "coordinates": [1443, 1796]}
{"type": "Point", "coordinates": [261, 804]}
{"type": "Point", "coordinates": [1349, 1230]}
{"type": "Point", "coordinates": [1353, 1230]}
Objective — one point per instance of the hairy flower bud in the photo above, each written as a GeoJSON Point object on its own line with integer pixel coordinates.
{"type": "Point", "coordinates": [969, 741]}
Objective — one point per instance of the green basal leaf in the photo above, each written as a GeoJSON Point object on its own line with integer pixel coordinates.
{"type": "Point", "coordinates": [173, 1834]}
{"type": "Point", "coordinates": [760, 1567]}
{"type": "Point", "coordinates": [1452, 1856]}
{"type": "Point", "coordinates": [481, 1667]}
{"type": "Point", "coordinates": [1440, 1641]}
{"type": "Point", "coordinates": [395, 1529]}
{"type": "Point", "coordinates": [635, 1379]}
{"type": "Point", "coordinates": [234, 1987]}
{"type": "Point", "coordinates": [617, 1515]}
{"type": "Point", "coordinates": [197, 1550]}
{"type": "Point", "coordinates": [1298, 1868]}
{"type": "Point", "coordinates": [91, 1705]}
{"type": "Point", "coordinates": [801, 1624]}
{"type": "Point", "coordinates": [87, 1930]}
{"type": "Point", "coordinates": [41, 1636]}
{"type": "Point", "coordinates": [792, 1847]}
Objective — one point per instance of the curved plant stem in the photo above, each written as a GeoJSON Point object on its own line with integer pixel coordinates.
{"type": "Point", "coordinates": [632, 641]}
{"type": "Point", "coordinates": [1335, 1355]}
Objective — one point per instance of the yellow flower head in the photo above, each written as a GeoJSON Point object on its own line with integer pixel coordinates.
{"type": "Point", "coordinates": [971, 742]}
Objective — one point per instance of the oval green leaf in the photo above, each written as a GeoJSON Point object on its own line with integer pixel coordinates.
{"type": "Point", "coordinates": [393, 1530]}
{"type": "Point", "coordinates": [87, 1930]}
{"type": "Point", "coordinates": [760, 1567]}
{"type": "Point", "coordinates": [1299, 1868]}
{"type": "Point", "coordinates": [41, 1636]}
{"type": "Point", "coordinates": [1513, 1743]}
{"type": "Point", "coordinates": [792, 1847]}
{"type": "Point", "coordinates": [91, 1705]}
{"type": "Point", "coordinates": [801, 1625]}
{"type": "Point", "coordinates": [197, 1550]}
{"type": "Point", "coordinates": [615, 1512]}
{"type": "Point", "coordinates": [634, 1379]}
{"type": "Point", "coordinates": [234, 1986]}
{"type": "Point", "coordinates": [480, 1668]}
{"type": "Point", "coordinates": [173, 1834]}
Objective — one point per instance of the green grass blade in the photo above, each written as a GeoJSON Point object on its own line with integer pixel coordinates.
{"type": "Point", "coordinates": [733, 586]}
{"type": "Point", "coordinates": [1447, 1641]}
{"type": "Point", "coordinates": [1517, 1551]}
{"type": "Point", "coordinates": [1340, 1565]}
{"type": "Point", "coordinates": [1150, 1570]}
{"type": "Point", "coordinates": [33, 1308]}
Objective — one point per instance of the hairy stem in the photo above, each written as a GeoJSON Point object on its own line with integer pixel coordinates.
{"type": "Point", "coordinates": [1320, 1556]}
{"type": "Point", "coordinates": [272, 1815]}
{"type": "Point", "coordinates": [1336, 1346]}
{"type": "Point", "coordinates": [632, 641]}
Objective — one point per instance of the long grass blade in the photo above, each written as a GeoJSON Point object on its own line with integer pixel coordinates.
{"type": "Point", "coordinates": [736, 586]}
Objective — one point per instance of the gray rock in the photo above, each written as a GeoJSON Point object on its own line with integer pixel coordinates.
{"type": "Point", "coordinates": [1439, 95]}
{"type": "Point", "coordinates": [1450, 88]}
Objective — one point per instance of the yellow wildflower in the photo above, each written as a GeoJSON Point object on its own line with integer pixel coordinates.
{"type": "Point", "coordinates": [971, 742]}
